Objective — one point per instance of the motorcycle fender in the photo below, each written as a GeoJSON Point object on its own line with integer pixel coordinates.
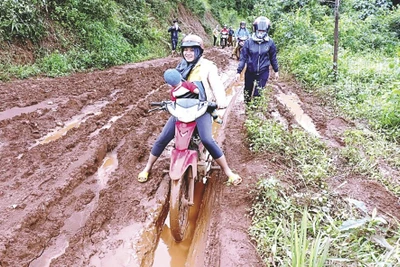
{"type": "Point", "coordinates": [180, 161]}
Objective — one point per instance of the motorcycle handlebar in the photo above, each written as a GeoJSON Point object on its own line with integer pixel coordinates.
{"type": "Point", "coordinates": [163, 105]}
{"type": "Point", "coordinates": [212, 105]}
{"type": "Point", "coordinates": [156, 104]}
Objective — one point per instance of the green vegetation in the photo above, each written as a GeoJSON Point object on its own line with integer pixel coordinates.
{"type": "Point", "coordinates": [302, 222]}
{"type": "Point", "coordinates": [367, 90]}
{"type": "Point", "coordinates": [368, 81]}
{"type": "Point", "coordinates": [84, 34]}
{"type": "Point", "coordinates": [369, 66]}
{"type": "Point", "coordinates": [331, 232]}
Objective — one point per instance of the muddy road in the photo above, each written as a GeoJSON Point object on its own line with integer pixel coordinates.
{"type": "Point", "coordinates": [71, 149]}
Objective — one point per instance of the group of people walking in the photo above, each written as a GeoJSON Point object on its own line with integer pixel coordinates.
{"type": "Point", "coordinates": [258, 54]}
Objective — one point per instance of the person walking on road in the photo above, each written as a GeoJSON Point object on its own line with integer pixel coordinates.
{"type": "Point", "coordinates": [174, 30]}
{"type": "Point", "coordinates": [216, 35]}
{"type": "Point", "coordinates": [231, 36]}
{"type": "Point", "coordinates": [240, 33]}
{"type": "Point", "coordinates": [258, 53]}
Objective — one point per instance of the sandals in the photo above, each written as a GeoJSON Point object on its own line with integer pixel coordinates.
{"type": "Point", "coordinates": [234, 180]}
{"type": "Point", "coordinates": [143, 176]}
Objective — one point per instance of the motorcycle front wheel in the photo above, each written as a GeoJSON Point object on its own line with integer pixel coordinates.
{"type": "Point", "coordinates": [179, 205]}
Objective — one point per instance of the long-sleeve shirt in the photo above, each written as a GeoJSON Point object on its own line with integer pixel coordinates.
{"type": "Point", "coordinates": [258, 55]}
{"type": "Point", "coordinates": [207, 72]}
{"type": "Point", "coordinates": [242, 32]}
{"type": "Point", "coordinates": [174, 30]}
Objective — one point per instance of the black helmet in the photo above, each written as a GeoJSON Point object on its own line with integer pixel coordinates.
{"type": "Point", "coordinates": [261, 24]}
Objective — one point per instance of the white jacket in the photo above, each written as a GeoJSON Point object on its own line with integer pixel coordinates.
{"type": "Point", "coordinates": [207, 72]}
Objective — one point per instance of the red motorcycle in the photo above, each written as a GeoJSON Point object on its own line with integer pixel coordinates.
{"type": "Point", "coordinates": [190, 161]}
{"type": "Point", "coordinates": [240, 41]}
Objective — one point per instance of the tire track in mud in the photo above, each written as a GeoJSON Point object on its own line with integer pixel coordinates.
{"type": "Point", "coordinates": [60, 175]}
{"type": "Point", "coordinates": [55, 181]}
{"type": "Point", "coordinates": [63, 170]}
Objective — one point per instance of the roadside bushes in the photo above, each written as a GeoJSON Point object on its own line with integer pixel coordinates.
{"type": "Point", "coordinates": [365, 90]}
{"type": "Point", "coordinates": [20, 19]}
{"type": "Point", "coordinates": [84, 34]}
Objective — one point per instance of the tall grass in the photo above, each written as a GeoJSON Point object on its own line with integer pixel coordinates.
{"type": "Point", "coordinates": [303, 251]}
{"type": "Point", "coordinates": [367, 87]}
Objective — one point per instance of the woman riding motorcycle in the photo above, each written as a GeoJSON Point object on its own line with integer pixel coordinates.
{"type": "Point", "coordinates": [195, 68]}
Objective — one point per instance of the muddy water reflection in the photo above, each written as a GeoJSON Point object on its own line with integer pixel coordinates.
{"type": "Point", "coordinates": [171, 253]}
{"type": "Point", "coordinates": [59, 133]}
{"type": "Point", "coordinates": [86, 113]}
{"type": "Point", "coordinates": [78, 219]}
{"type": "Point", "coordinates": [16, 111]}
{"type": "Point", "coordinates": [291, 101]}
{"type": "Point", "coordinates": [110, 164]}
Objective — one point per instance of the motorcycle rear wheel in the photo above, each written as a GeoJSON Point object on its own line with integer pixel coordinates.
{"type": "Point", "coordinates": [179, 205]}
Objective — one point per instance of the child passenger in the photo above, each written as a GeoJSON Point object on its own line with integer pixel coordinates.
{"type": "Point", "coordinates": [179, 88]}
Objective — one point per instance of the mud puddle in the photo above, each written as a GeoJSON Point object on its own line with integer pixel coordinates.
{"type": "Point", "coordinates": [75, 122]}
{"type": "Point", "coordinates": [78, 219]}
{"type": "Point", "coordinates": [171, 253]}
{"type": "Point", "coordinates": [292, 102]}
{"type": "Point", "coordinates": [16, 111]}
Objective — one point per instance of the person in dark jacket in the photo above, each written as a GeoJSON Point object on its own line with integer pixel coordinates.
{"type": "Point", "coordinates": [174, 30]}
{"type": "Point", "coordinates": [241, 34]}
{"type": "Point", "coordinates": [259, 52]}
{"type": "Point", "coordinates": [231, 35]}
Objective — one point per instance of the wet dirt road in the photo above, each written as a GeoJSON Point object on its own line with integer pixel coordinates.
{"type": "Point", "coordinates": [71, 149]}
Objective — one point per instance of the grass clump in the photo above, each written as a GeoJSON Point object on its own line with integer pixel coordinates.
{"type": "Point", "coordinates": [306, 228]}
{"type": "Point", "coordinates": [306, 225]}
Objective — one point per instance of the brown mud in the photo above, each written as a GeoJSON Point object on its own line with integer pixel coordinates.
{"type": "Point", "coordinates": [71, 149]}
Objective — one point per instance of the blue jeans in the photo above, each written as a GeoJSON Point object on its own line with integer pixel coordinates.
{"type": "Point", "coordinates": [204, 128]}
